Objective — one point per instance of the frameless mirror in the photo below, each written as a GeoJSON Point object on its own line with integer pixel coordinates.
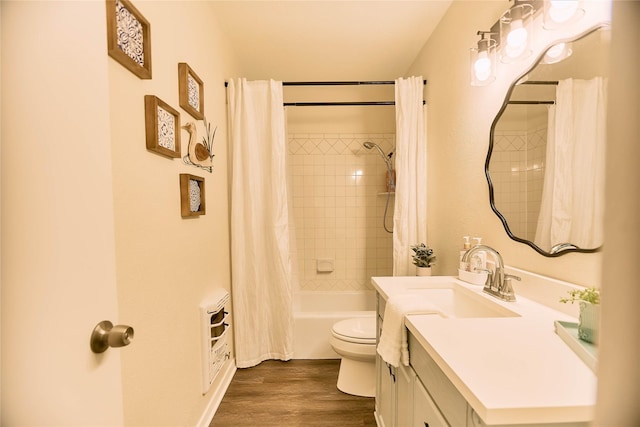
{"type": "Point", "coordinates": [545, 165]}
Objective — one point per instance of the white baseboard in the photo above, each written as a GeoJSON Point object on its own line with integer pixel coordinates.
{"type": "Point", "coordinates": [226, 375]}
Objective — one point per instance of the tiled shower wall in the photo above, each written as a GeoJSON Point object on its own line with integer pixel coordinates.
{"type": "Point", "coordinates": [339, 195]}
{"type": "Point", "coordinates": [517, 173]}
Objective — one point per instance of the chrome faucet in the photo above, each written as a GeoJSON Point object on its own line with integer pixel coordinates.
{"type": "Point", "coordinates": [498, 283]}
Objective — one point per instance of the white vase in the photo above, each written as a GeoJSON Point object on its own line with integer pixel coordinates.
{"type": "Point", "coordinates": [423, 271]}
{"type": "Point", "coordinates": [589, 321]}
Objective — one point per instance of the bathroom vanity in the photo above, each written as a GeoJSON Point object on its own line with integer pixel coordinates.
{"type": "Point", "coordinates": [481, 361]}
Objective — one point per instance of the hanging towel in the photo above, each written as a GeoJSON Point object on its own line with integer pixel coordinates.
{"type": "Point", "coordinates": [393, 346]}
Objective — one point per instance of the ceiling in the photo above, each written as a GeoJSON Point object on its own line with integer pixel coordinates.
{"type": "Point", "coordinates": [327, 40]}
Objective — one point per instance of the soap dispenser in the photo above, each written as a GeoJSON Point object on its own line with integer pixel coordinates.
{"type": "Point", "coordinates": [478, 260]}
{"type": "Point", "coordinates": [465, 247]}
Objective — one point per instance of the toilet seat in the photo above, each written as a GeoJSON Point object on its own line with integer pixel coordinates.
{"type": "Point", "coordinates": [360, 330]}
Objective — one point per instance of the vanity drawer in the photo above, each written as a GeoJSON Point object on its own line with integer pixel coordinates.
{"type": "Point", "coordinates": [450, 402]}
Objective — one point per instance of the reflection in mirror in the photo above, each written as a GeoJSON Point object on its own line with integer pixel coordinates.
{"type": "Point", "coordinates": [545, 165]}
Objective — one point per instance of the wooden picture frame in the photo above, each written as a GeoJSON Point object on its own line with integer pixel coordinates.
{"type": "Point", "coordinates": [129, 37]}
{"type": "Point", "coordinates": [162, 127]}
{"type": "Point", "coordinates": [191, 91]}
{"type": "Point", "coordinates": [192, 195]}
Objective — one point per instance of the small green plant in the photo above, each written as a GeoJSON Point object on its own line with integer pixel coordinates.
{"type": "Point", "coordinates": [423, 255]}
{"type": "Point", "coordinates": [591, 295]}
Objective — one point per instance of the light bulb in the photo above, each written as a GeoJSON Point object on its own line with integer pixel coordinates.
{"type": "Point", "coordinates": [556, 51]}
{"type": "Point", "coordinates": [482, 66]}
{"type": "Point", "coordinates": [563, 10]}
{"type": "Point", "coordinates": [516, 39]}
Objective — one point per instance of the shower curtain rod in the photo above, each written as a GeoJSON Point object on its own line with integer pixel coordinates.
{"type": "Point", "coordinates": [325, 104]}
{"type": "Point", "coordinates": [539, 82]}
{"type": "Point", "coordinates": [532, 102]}
{"type": "Point", "coordinates": [339, 83]}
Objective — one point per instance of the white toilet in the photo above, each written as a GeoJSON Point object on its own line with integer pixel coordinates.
{"type": "Point", "coordinates": [355, 341]}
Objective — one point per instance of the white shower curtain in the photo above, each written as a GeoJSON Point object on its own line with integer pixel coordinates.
{"type": "Point", "coordinates": [572, 205]}
{"type": "Point", "coordinates": [410, 211]}
{"type": "Point", "coordinates": [260, 253]}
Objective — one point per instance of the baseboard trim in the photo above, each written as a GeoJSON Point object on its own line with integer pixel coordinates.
{"type": "Point", "coordinates": [226, 375]}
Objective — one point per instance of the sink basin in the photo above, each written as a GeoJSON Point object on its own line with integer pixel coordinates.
{"type": "Point", "coordinates": [455, 301]}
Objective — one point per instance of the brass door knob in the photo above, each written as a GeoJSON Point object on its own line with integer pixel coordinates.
{"type": "Point", "coordinates": [106, 335]}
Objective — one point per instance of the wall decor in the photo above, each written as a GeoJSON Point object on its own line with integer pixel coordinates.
{"type": "Point", "coordinates": [200, 154]}
{"type": "Point", "coordinates": [192, 201]}
{"type": "Point", "coordinates": [191, 91]}
{"type": "Point", "coordinates": [129, 37]}
{"type": "Point", "coordinates": [162, 127]}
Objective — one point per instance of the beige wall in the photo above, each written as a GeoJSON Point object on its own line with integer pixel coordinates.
{"type": "Point", "coordinates": [619, 372]}
{"type": "Point", "coordinates": [458, 125]}
{"type": "Point", "coordinates": [166, 265]}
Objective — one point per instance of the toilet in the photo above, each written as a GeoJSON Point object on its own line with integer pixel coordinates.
{"type": "Point", "coordinates": [355, 341]}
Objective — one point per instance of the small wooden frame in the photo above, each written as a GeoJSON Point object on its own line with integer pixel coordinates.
{"type": "Point", "coordinates": [129, 37]}
{"type": "Point", "coordinates": [162, 127]}
{"type": "Point", "coordinates": [191, 91]}
{"type": "Point", "coordinates": [192, 200]}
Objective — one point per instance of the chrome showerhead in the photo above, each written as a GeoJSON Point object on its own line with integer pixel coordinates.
{"type": "Point", "coordinates": [387, 159]}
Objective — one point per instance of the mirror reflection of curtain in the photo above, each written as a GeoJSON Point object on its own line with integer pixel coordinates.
{"type": "Point", "coordinates": [573, 194]}
{"type": "Point", "coordinates": [260, 249]}
{"type": "Point", "coordinates": [410, 209]}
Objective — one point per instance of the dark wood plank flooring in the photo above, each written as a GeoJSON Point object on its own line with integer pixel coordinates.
{"type": "Point", "coordinates": [293, 393]}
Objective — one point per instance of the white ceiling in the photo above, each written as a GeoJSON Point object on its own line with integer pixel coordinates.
{"type": "Point", "coordinates": [327, 40]}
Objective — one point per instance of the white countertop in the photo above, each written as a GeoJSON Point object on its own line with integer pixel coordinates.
{"type": "Point", "coordinates": [511, 370]}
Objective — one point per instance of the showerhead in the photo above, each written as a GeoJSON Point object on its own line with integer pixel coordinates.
{"type": "Point", "coordinates": [387, 159]}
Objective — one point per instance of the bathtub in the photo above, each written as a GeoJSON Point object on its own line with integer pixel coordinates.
{"type": "Point", "coordinates": [315, 312]}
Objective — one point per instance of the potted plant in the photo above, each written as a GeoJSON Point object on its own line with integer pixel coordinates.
{"type": "Point", "coordinates": [423, 257]}
{"type": "Point", "coordinates": [588, 323]}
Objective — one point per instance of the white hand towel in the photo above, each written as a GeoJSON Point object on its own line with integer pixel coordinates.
{"type": "Point", "coordinates": [393, 346]}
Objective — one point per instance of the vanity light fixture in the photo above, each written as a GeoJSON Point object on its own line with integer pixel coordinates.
{"type": "Point", "coordinates": [483, 60]}
{"type": "Point", "coordinates": [512, 35]}
{"type": "Point", "coordinates": [516, 32]}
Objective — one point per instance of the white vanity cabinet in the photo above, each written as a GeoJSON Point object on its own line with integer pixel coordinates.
{"type": "Point", "coordinates": [401, 399]}
{"type": "Point", "coordinates": [455, 378]}
{"type": "Point", "coordinates": [425, 412]}
{"type": "Point", "coordinates": [385, 405]}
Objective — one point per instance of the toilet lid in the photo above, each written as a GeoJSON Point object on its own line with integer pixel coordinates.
{"type": "Point", "coordinates": [359, 329]}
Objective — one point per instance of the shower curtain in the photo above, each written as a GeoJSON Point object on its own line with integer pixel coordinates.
{"type": "Point", "coordinates": [410, 210]}
{"type": "Point", "coordinates": [260, 253]}
{"type": "Point", "coordinates": [572, 204]}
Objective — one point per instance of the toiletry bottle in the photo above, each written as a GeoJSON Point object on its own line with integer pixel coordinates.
{"type": "Point", "coordinates": [465, 247]}
{"type": "Point", "coordinates": [479, 259]}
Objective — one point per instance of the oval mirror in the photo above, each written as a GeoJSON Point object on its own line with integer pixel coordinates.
{"type": "Point", "coordinates": [545, 165]}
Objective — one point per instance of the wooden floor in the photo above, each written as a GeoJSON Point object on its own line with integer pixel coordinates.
{"type": "Point", "coordinates": [293, 393]}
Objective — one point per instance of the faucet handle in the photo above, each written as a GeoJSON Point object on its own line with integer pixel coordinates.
{"type": "Point", "coordinates": [507, 292]}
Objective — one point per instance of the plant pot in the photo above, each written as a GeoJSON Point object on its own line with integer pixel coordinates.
{"type": "Point", "coordinates": [423, 271]}
{"type": "Point", "coordinates": [589, 322]}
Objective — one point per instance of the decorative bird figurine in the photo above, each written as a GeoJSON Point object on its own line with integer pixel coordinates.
{"type": "Point", "coordinates": [200, 153]}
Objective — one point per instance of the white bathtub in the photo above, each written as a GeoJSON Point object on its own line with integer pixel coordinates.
{"type": "Point", "coordinates": [315, 312]}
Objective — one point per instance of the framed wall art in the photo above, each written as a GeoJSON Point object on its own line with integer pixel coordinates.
{"type": "Point", "coordinates": [192, 200]}
{"type": "Point", "coordinates": [191, 91]}
{"type": "Point", "coordinates": [129, 37]}
{"type": "Point", "coordinates": [162, 127]}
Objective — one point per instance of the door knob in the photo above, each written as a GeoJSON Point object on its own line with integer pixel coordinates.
{"type": "Point", "coordinates": [106, 335]}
